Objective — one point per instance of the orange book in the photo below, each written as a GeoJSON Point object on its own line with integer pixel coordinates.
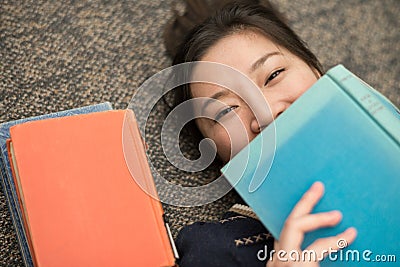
{"type": "Point", "coordinates": [10, 151]}
{"type": "Point", "coordinates": [83, 204]}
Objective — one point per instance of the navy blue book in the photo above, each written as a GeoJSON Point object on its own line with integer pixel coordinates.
{"type": "Point", "coordinates": [7, 180]}
{"type": "Point", "coordinates": [345, 134]}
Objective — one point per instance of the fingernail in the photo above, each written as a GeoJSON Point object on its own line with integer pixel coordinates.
{"type": "Point", "coordinates": [351, 230]}
{"type": "Point", "coordinates": [336, 213]}
{"type": "Point", "coordinates": [316, 186]}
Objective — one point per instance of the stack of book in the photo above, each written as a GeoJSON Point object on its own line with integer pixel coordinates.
{"type": "Point", "coordinates": [81, 193]}
{"type": "Point", "coordinates": [73, 198]}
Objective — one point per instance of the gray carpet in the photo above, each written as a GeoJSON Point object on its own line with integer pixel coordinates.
{"type": "Point", "coordinates": [57, 55]}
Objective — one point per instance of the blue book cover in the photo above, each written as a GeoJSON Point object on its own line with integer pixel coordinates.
{"type": "Point", "coordinates": [7, 180]}
{"type": "Point", "coordinates": [347, 135]}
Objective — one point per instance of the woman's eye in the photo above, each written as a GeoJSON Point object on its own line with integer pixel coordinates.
{"type": "Point", "coordinates": [224, 112]}
{"type": "Point", "coordinates": [273, 76]}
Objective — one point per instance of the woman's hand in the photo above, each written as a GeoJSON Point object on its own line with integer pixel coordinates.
{"type": "Point", "coordinates": [299, 222]}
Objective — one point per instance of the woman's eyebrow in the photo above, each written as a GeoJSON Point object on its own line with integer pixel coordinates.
{"type": "Point", "coordinates": [259, 62]}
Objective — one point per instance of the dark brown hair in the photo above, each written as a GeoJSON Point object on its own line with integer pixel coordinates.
{"type": "Point", "coordinates": [195, 12]}
{"type": "Point", "coordinates": [234, 17]}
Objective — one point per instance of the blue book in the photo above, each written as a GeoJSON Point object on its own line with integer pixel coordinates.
{"type": "Point", "coordinates": [7, 180]}
{"type": "Point", "coordinates": [347, 135]}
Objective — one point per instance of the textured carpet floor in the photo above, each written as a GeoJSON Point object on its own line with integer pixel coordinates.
{"type": "Point", "coordinates": [57, 55]}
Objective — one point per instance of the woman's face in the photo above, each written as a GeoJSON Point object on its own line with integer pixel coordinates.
{"type": "Point", "coordinates": [281, 76]}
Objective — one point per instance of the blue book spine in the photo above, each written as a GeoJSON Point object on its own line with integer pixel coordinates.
{"type": "Point", "coordinates": [375, 105]}
{"type": "Point", "coordinates": [7, 180]}
{"type": "Point", "coordinates": [345, 134]}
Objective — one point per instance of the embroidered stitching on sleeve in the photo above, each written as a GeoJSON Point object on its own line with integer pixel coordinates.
{"type": "Point", "coordinates": [252, 240]}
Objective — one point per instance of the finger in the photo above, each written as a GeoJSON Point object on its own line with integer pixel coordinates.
{"type": "Point", "coordinates": [323, 246]}
{"type": "Point", "coordinates": [294, 229]}
{"type": "Point", "coordinates": [308, 200]}
{"type": "Point", "coordinates": [315, 221]}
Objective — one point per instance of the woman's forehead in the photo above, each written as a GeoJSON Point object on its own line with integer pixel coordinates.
{"type": "Point", "coordinates": [240, 49]}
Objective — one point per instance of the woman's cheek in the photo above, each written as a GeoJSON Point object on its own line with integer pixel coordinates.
{"type": "Point", "coordinates": [230, 141]}
{"type": "Point", "coordinates": [222, 142]}
{"type": "Point", "coordinates": [307, 78]}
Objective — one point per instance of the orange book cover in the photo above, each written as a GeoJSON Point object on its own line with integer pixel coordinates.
{"type": "Point", "coordinates": [17, 189]}
{"type": "Point", "coordinates": [82, 204]}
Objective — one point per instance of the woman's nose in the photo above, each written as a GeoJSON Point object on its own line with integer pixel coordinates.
{"type": "Point", "coordinates": [257, 125]}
